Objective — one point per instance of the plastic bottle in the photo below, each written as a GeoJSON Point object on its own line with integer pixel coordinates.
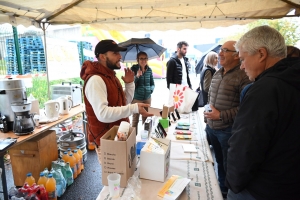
{"type": "Point", "coordinates": [51, 187]}
{"type": "Point", "coordinates": [77, 156]}
{"type": "Point", "coordinates": [61, 183]}
{"type": "Point", "coordinates": [46, 172]}
{"type": "Point", "coordinates": [65, 157]}
{"type": "Point", "coordinates": [69, 151]}
{"type": "Point", "coordinates": [42, 180]}
{"type": "Point", "coordinates": [69, 174]}
{"type": "Point", "coordinates": [29, 179]}
{"type": "Point", "coordinates": [81, 157]}
{"type": "Point", "coordinates": [72, 161]}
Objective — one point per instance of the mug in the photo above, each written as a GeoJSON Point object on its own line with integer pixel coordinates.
{"type": "Point", "coordinates": [52, 109]}
{"type": "Point", "coordinates": [65, 105]}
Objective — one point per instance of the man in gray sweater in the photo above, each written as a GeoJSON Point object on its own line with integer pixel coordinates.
{"type": "Point", "coordinates": [223, 97]}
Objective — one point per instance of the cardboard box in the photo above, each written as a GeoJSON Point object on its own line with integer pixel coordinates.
{"type": "Point", "coordinates": [33, 156]}
{"type": "Point", "coordinates": [155, 166]}
{"type": "Point", "coordinates": [118, 156]}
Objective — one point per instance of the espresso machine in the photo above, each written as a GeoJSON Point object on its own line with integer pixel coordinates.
{"type": "Point", "coordinates": [23, 121]}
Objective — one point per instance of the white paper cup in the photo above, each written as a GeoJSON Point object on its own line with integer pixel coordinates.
{"type": "Point", "coordinates": [114, 185]}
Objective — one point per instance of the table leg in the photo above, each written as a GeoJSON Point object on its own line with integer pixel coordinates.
{"type": "Point", "coordinates": [3, 177]}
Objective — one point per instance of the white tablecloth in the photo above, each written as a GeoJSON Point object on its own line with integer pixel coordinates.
{"type": "Point", "coordinates": [196, 166]}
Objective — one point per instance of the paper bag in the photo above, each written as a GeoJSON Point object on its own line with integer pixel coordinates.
{"type": "Point", "coordinates": [182, 97]}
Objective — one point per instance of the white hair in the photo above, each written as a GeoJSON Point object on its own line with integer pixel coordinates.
{"type": "Point", "coordinates": [210, 59]}
{"type": "Point", "coordinates": [263, 36]}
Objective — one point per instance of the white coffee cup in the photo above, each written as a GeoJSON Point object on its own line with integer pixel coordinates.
{"type": "Point", "coordinates": [36, 119]}
{"type": "Point", "coordinates": [114, 185]}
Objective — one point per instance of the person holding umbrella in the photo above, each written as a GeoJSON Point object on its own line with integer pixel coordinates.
{"type": "Point", "coordinates": [144, 84]}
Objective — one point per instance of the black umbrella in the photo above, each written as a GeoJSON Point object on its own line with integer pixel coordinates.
{"type": "Point", "coordinates": [135, 45]}
{"type": "Point", "coordinates": [200, 64]}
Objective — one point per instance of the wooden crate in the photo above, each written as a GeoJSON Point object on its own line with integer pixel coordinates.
{"type": "Point", "coordinates": [33, 156]}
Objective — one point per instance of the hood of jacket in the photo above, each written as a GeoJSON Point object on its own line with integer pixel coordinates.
{"type": "Point", "coordinates": [90, 68]}
{"type": "Point", "coordinates": [287, 70]}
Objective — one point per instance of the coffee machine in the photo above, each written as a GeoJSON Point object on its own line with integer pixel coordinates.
{"type": "Point", "coordinates": [11, 90]}
{"type": "Point", "coordinates": [23, 121]}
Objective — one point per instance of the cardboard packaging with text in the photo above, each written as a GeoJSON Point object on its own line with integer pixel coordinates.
{"type": "Point", "coordinates": [118, 156]}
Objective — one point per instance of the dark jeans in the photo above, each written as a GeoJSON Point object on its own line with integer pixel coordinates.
{"type": "Point", "coordinates": [219, 141]}
{"type": "Point", "coordinates": [243, 195]}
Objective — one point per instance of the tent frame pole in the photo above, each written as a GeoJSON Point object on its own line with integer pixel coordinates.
{"type": "Point", "coordinates": [44, 26]}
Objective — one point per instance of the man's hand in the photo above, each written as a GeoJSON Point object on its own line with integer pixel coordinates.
{"type": "Point", "coordinates": [142, 110]}
{"type": "Point", "coordinates": [213, 115]}
{"type": "Point", "coordinates": [139, 73]}
{"type": "Point", "coordinates": [129, 76]}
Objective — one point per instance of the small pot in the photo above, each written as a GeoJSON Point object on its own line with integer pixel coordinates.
{"type": "Point", "coordinates": [20, 106]}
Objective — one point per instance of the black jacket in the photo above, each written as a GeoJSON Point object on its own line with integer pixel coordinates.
{"type": "Point", "coordinates": [202, 74]}
{"type": "Point", "coordinates": [264, 153]}
{"type": "Point", "coordinates": [174, 71]}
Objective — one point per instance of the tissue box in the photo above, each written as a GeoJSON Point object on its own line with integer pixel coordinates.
{"type": "Point", "coordinates": [118, 156]}
{"type": "Point", "coordinates": [155, 166]}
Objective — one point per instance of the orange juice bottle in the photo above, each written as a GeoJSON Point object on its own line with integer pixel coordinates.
{"type": "Point", "coordinates": [42, 180]}
{"type": "Point", "coordinates": [69, 151]}
{"type": "Point", "coordinates": [78, 165]}
{"type": "Point", "coordinates": [65, 157]}
{"type": "Point", "coordinates": [29, 179]}
{"type": "Point", "coordinates": [51, 188]}
{"type": "Point", "coordinates": [72, 161]}
{"type": "Point", "coordinates": [81, 157]}
{"type": "Point", "coordinates": [91, 146]}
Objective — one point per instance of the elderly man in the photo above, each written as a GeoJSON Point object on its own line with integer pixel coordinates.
{"type": "Point", "coordinates": [226, 86]}
{"type": "Point", "coordinates": [264, 156]}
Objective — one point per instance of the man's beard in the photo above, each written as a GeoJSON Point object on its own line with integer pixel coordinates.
{"type": "Point", "coordinates": [111, 65]}
{"type": "Point", "coordinates": [181, 53]}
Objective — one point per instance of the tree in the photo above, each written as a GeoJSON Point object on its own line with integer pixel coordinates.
{"type": "Point", "coordinates": [288, 27]}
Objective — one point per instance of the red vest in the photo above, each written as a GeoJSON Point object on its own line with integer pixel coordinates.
{"type": "Point", "coordinates": [115, 98]}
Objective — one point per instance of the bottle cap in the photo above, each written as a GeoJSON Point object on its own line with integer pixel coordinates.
{"type": "Point", "coordinates": [70, 154]}
{"type": "Point", "coordinates": [29, 174]}
{"type": "Point", "coordinates": [65, 152]}
{"type": "Point", "coordinates": [69, 149]}
{"type": "Point", "coordinates": [50, 175]}
{"type": "Point", "coordinates": [42, 174]}
{"type": "Point", "coordinates": [75, 151]}
{"type": "Point", "coordinates": [78, 147]}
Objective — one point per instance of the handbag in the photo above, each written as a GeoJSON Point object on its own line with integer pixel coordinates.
{"type": "Point", "coordinates": [200, 97]}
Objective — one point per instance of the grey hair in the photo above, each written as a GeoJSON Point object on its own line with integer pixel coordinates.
{"type": "Point", "coordinates": [263, 36]}
{"type": "Point", "coordinates": [210, 58]}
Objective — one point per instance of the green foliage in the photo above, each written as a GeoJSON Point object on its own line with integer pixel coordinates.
{"type": "Point", "coordinates": [288, 27]}
{"type": "Point", "coordinates": [40, 88]}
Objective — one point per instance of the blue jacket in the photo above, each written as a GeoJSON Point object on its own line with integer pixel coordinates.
{"type": "Point", "coordinates": [144, 85]}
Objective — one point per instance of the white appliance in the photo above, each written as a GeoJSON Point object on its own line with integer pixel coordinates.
{"type": "Point", "coordinates": [67, 88]}
{"type": "Point", "coordinates": [52, 109]}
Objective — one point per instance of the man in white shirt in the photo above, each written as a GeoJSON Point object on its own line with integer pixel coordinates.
{"type": "Point", "coordinates": [177, 67]}
{"type": "Point", "coordinates": [105, 101]}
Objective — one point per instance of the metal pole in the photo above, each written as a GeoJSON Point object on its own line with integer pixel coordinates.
{"type": "Point", "coordinates": [43, 27]}
{"type": "Point", "coordinates": [17, 49]}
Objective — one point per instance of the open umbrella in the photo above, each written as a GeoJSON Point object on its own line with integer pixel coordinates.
{"type": "Point", "coordinates": [200, 64]}
{"type": "Point", "coordinates": [135, 45]}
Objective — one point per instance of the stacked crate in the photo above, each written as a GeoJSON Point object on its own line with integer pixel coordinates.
{"type": "Point", "coordinates": [11, 59]}
{"type": "Point", "coordinates": [31, 54]}
{"type": "Point", "coordinates": [87, 46]}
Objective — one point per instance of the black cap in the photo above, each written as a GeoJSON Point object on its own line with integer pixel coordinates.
{"type": "Point", "coordinates": [107, 45]}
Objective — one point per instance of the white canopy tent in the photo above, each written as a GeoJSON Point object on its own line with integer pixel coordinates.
{"type": "Point", "coordinates": [136, 15]}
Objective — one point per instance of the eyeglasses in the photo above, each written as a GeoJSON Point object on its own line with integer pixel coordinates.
{"type": "Point", "coordinates": [224, 50]}
{"type": "Point", "coordinates": [143, 58]}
